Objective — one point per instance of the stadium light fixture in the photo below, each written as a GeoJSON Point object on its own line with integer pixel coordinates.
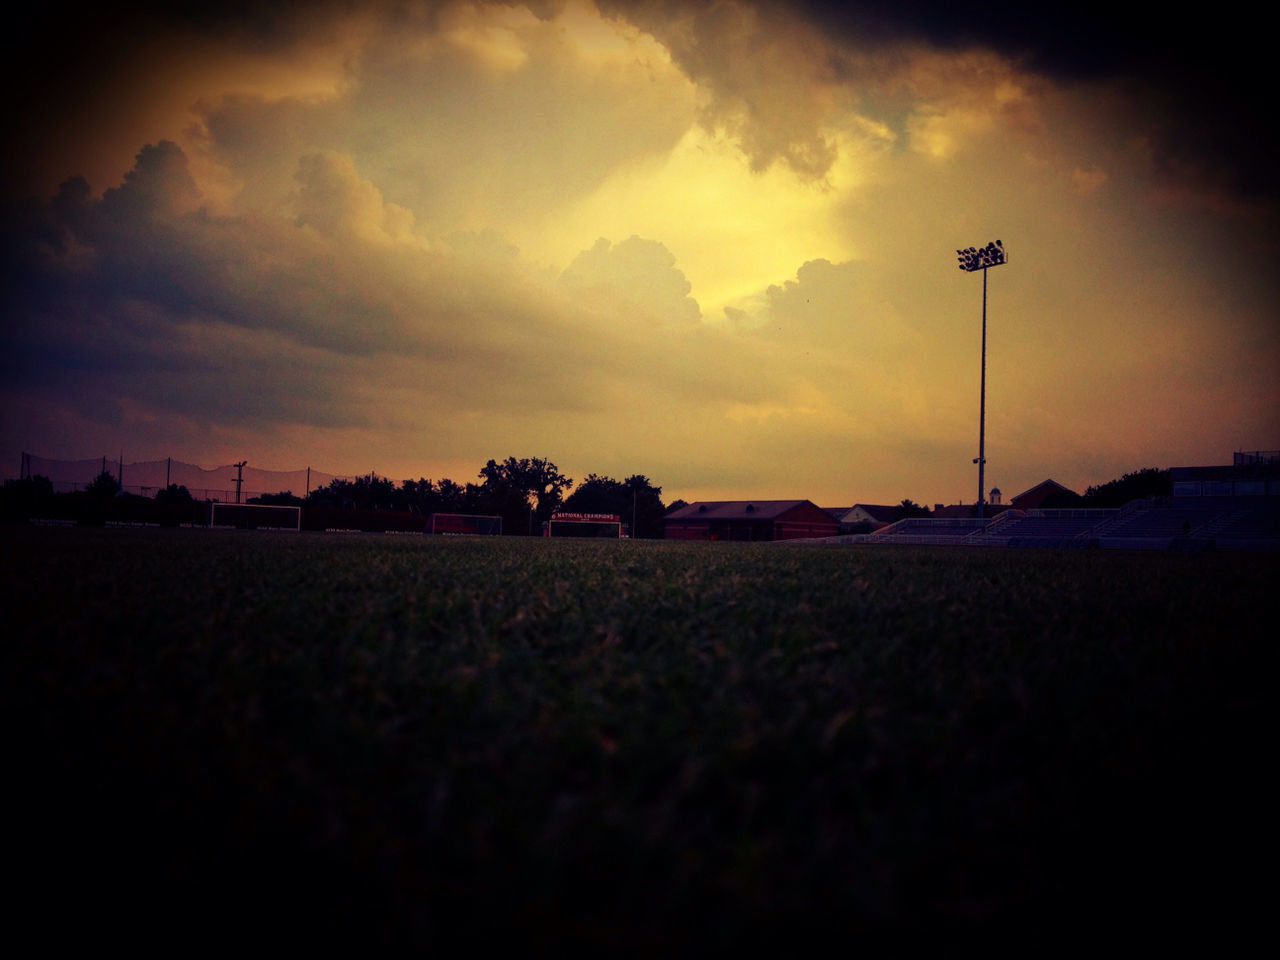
{"type": "Point", "coordinates": [972, 259]}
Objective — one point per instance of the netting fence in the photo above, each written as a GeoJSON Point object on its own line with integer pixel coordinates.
{"type": "Point", "coordinates": [147, 477]}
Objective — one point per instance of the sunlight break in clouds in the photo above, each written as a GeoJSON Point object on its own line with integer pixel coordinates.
{"type": "Point", "coordinates": [711, 243]}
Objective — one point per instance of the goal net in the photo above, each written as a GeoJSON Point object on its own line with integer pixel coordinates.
{"type": "Point", "coordinates": [252, 516]}
{"type": "Point", "coordinates": [584, 525]}
{"type": "Point", "coordinates": [464, 524]}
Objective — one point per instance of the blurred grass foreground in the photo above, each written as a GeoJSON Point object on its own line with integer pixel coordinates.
{"type": "Point", "coordinates": [224, 738]}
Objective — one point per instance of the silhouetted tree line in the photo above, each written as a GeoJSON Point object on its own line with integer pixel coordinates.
{"type": "Point", "coordinates": [524, 492]}
{"type": "Point", "coordinates": [909, 508]}
{"type": "Point", "coordinates": [1139, 485]}
{"type": "Point", "coordinates": [101, 501]}
{"type": "Point", "coordinates": [634, 499]}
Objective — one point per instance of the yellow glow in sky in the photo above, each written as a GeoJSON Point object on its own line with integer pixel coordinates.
{"type": "Point", "coordinates": [709, 243]}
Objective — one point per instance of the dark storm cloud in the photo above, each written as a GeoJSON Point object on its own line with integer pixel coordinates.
{"type": "Point", "coordinates": [1200, 86]}
{"type": "Point", "coordinates": [146, 242]}
{"type": "Point", "coordinates": [1197, 89]}
{"type": "Point", "coordinates": [1201, 83]}
{"type": "Point", "coordinates": [1082, 39]}
{"type": "Point", "coordinates": [141, 294]}
{"type": "Point", "coordinates": [143, 299]}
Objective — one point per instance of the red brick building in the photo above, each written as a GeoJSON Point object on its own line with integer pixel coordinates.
{"type": "Point", "coordinates": [749, 520]}
{"type": "Point", "coordinates": [1037, 495]}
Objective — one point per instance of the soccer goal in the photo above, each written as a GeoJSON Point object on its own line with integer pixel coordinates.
{"type": "Point", "coordinates": [464, 524]}
{"type": "Point", "coordinates": [584, 525]}
{"type": "Point", "coordinates": [253, 516]}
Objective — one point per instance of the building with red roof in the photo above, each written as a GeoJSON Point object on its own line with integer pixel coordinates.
{"type": "Point", "coordinates": [749, 520]}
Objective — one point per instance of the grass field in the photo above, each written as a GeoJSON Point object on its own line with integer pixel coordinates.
{"type": "Point", "coordinates": [220, 738]}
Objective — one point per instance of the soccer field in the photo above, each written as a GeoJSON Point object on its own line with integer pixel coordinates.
{"type": "Point", "coordinates": [629, 746]}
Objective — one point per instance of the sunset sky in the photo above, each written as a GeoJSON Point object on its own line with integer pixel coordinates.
{"type": "Point", "coordinates": [712, 243]}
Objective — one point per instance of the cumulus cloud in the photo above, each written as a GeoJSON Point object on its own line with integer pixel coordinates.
{"type": "Point", "coordinates": [504, 114]}
{"type": "Point", "coordinates": [336, 201]}
{"type": "Point", "coordinates": [636, 279]}
{"type": "Point", "coordinates": [766, 77]}
{"type": "Point", "coordinates": [160, 182]}
{"type": "Point", "coordinates": [340, 318]}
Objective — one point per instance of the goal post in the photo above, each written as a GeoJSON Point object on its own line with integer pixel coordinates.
{"type": "Point", "coordinates": [594, 525]}
{"type": "Point", "coordinates": [253, 516]}
{"type": "Point", "coordinates": [463, 524]}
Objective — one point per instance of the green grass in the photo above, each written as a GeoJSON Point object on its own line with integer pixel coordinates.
{"type": "Point", "coordinates": [632, 746]}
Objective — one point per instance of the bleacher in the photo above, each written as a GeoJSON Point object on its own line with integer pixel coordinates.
{"type": "Point", "coordinates": [1225, 522]}
{"type": "Point", "coordinates": [928, 530]}
{"type": "Point", "coordinates": [1257, 523]}
{"type": "Point", "coordinates": [1235, 507]}
{"type": "Point", "coordinates": [1051, 528]}
{"type": "Point", "coordinates": [1048, 528]}
{"type": "Point", "coordinates": [1157, 525]}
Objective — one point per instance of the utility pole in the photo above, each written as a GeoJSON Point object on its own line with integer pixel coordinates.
{"type": "Point", "coordinates": [239, 477]}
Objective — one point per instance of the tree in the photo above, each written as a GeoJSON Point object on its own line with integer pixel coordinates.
{"type": "Point", "coordinates": [523, 492]}
{"type": "Point", "coordinates": [637, 501]}
{"type": "Point", "coordinates": [104, 486]}
{"type": "Point", "coordinates": [908, 508]}
{"type": "Point", "coordinates": [369, 492]}
{"type": "Point", "coordinates": [21, 499]}
{"type": "Point", "coordinates": [454, 497]}
{"type": "Point", "coordinates": [1141, 484]}
{"type": "Point", "coordinates": [501, 493]}
{"type": "Point", "coordinates": [284, 498]}
{"type": "Point", "coordinates": [646, 501]}
{"type": "Point", "coordinates": [419, 495]}
{"type": "Point", "coordinates": [34, 487]}
{"type": "Point", "coordinates": [547, 484]}
{"type": "Point", "coordinates": [597, 494]}
{"type": "Point", "coordinates": [175, 493]}
{"type": "Point", "coordinates": [423, 496]}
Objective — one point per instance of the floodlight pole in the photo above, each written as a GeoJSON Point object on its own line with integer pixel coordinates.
{"type": "Point", "coordinates": [982, 401]}
{"type": "Point", "coordinates": [992, 255]}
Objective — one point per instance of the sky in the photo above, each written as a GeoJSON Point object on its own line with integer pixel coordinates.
{"type": "Point", "coordinates": [713, 243]}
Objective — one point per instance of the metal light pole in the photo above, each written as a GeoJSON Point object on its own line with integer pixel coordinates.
{"type": "Point", "coordinates": [992, 255]}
